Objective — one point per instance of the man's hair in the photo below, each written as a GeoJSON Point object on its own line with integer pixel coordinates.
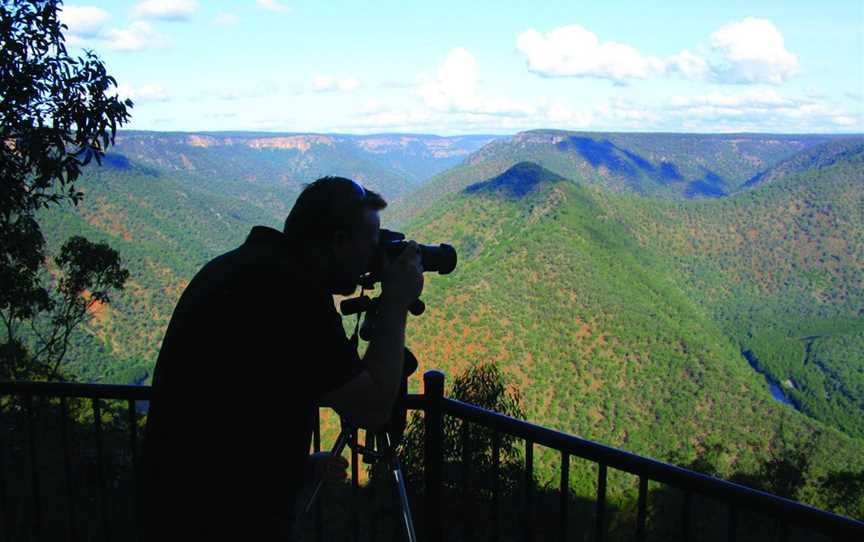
{"type": "Point", "coordinates": [327, 205]}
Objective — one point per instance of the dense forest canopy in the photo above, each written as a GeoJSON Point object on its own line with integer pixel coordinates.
{"type": "Point", "coordinates": [622, 313]}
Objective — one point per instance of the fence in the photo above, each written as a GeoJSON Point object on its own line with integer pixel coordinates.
{"type": "Point", "coordinates": [21, 520]}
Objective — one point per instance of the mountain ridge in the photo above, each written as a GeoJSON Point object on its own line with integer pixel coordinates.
{"type": "Point", "coordinates": [622, 316]}
{"type": "Point", "coordinates": [517, 181]}
{"type": "Point", "coordinates": [823, 155]}
{"type": "Point", "coordinates": [390, 164]}
{"type": "Point", "coordinates": [664, 165]}
{"type": "Point", "coordinates": [593, 325]}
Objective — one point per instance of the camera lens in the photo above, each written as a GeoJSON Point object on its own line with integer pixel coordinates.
{"type": "Point", "coordinates": [441, 258]}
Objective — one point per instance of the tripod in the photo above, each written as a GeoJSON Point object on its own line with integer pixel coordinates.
{"type": "Point", "coordinates": [382, 450]}
{"type": "Point", "coordinates": [385, 439]}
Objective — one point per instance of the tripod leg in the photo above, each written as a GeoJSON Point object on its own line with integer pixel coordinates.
{"type": "Point", "coordinates": [399, 479]}
{"type": "Point", "coordinates": [338, 446]}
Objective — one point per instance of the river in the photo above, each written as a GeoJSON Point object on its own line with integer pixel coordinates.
{"type": "Point", "coordinates": [776, 391]}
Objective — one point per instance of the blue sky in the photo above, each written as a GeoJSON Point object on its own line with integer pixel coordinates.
{"type": "Point", "coordinates": [481, 67]}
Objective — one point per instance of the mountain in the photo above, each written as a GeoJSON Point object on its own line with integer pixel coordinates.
{"type": "Point", "coordinates": [625, 315]}
{"type": "Point", "coordinates": [817, 157]}
{"type": "Point", "coordinates": [164, 225]}
{"type": "Point", "coordinates": [621, 317]}
{"type": "Point", "coordinates": [516, 182]}
{"type": "Point", "coordinates": [388, 163]}
{"type": "Point", "coordinates": [169, 202]}
{"type": "Point", "coordinates": [779, 268]}
{"type": "Point", "coordinates": [677, 166]}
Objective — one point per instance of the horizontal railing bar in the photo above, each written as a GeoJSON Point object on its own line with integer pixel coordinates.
{"type": "Point", "coordinates": [744, 497]}
{"type": "Point", "coordinates": [766, 503]}
{"type": "Point", "coordinates": [414, 401]}
{"type": "Point", "coordinates": [74, 389]}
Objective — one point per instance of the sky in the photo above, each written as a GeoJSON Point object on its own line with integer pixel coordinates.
{"type": "Point", "coordinates": [476, 67]}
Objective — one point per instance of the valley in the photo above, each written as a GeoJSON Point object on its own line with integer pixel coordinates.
{"type": "Point", "coordinates": [597, 270]}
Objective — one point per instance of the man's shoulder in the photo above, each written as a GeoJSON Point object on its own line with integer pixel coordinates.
{"type": "Point", "coordinates": [249, 265]}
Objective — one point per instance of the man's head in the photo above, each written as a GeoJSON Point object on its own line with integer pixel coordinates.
{"type": "Point", "coordinates": [334, 224]}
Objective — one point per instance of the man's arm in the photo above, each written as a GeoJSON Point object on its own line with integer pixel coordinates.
{"type": "Point", "coordinates": [367, 400]}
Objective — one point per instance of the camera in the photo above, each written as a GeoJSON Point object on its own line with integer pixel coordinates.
{"type": "Point", "coordinates": [441, 258]}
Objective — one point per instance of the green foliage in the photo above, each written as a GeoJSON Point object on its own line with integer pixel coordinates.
{"type": "Point", "coordinates": [389, 164]}
{"type": "Point", "coordinates": [61, 437]}
{"type": "Point", "coordinates": [789, 471]}
{"type": "Point", "coordinates": [620, 317]}
{"type": "Point", "coordinates": [56, 114]}
{"type": "Point", "coordinates": [468, 450]}
{"type": "Point", "coordinates": [165, 227]}
{"type": "Point", "coordinates": [778, 268]}
{"type": "Point", "coordinates": [602, 307]}
{"type": "Point", "coordinates": [88, 274]}
{"type": "Point", "coordinates": [659, 165]}
{"type": "Point", "coordinates": [843, 492]}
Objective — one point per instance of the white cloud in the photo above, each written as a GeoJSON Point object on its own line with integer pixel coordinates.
{"type": "Point", "coordinates": [749, 51]}
{"type": "Point", "coordinates": [815, 93]}
{"type": "Point", "coordinates": [764, 98]}
{"type": "Point", "coordinates": [688, 65]}
{"type": "Point", "coordinates": [273, 5]}
{"type": "Point", "coordinates": [455, 86]}
{"type": "Point", "coordinates": [73, 40]}
{"type": "Point", "coordinates": [749, 110]}
{"type": "Point", "coordinates": [328, 83]}
{"type": "Point", "coordinates": [627, 114]}
{"type": "Point", "coordinates": [226, 19]}
{"type": "Point", "coordinates": [136, 37]}
{"type": "Point", "coordinates": [753, 51]}
{"type": "Point", "coordinates": [423, 119]}
{"type": "Point", "coordinates": [145, 93]}
{"type": "Point", "coordinates": [757, 110]}
{"type": "Point", "coordinates": [452, 101]}
{"type": "Point", "coordinates": [166, 10]}
{"type": "Point", "coordinates": [573, 51]}
{"type": "Point", "coordinates": [848, 120]}
{"type": "Point", "coordinates": [455, 89]}
{"type": "Point", "coordinates": [83, 20]}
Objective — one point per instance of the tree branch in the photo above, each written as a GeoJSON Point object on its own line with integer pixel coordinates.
{"type": "Point", "coordinates": [8, 323]}
{"type": "Point", "coordinates": [70, 325]}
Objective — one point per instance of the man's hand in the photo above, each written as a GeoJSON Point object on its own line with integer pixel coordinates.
{"type": "Point", "coordinates": [367, 401]}
{"type": "Point", "coordinates": [328, 467]}
{"type": "Point", "coordinates": [402, 278]}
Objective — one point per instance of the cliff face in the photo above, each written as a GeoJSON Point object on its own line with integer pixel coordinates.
{"type": "Point", "coordinates": [390, 164]}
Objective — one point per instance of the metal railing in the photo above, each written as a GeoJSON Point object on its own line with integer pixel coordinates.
{"type": "Point", "coordinates": [435, 407]}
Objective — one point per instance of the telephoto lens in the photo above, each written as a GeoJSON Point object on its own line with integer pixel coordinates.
{"type": "Point", "coordinates": [440, 258]}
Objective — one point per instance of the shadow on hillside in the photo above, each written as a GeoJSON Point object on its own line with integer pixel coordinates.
{"type": "Point", "coordinates": [602, 153]}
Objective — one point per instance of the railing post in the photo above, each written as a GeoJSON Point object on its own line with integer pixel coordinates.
{"type": "Point", "coordinates": [4, 505]}
{"type": "Point", "coordinates": [433, 389]}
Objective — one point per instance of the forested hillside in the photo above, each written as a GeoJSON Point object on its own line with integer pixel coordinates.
{"type": "Point", "coordinates": [594, 324]}
{"type": "Point", "coordinates": [781, 269]}
{"type": "Point", "coordinates": [624, 310]}
{"type": "Point", "coordinates": [388, 163]}
{"type": "Point", "coordinates": [662, 165]}
{"type": "Point", "coordinates": [165, 227]}
{"type": "Point", "coordinates": [169, 202]}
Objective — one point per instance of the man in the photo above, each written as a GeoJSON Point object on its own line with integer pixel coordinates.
{"type": "Point", "coordinates": [254, 344]}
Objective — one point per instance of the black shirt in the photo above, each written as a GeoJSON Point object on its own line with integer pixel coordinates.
{"type": "Point", "coordinates": [250, 350]}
